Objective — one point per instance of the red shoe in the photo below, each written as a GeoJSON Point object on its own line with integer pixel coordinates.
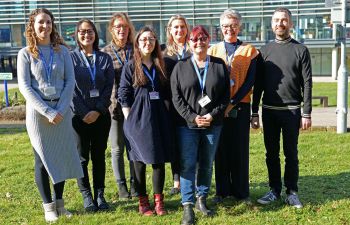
{"type": "Point", "coordinates": [159, 204]}
{"type": "Point", "coordinates": [144, 207]}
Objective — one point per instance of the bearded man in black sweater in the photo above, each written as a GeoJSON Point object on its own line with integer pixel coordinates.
{"type": "Point", "coordinates": [284, 78]}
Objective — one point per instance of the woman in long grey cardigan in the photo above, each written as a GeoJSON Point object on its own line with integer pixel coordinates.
{"type": "Point", "coordinates": [46, 80]}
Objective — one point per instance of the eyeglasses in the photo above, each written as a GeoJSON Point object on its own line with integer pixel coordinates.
{"type": "Point", "coordinates": [228, 26]}
{"type": "Point", "coordinates": [150, 39]}
{"type": "Point", "coordinates": [87, 31]}
{"type": "Point", "coordinates": [201, 39]}
{"type": "Point", "coordinates": [120, 26]}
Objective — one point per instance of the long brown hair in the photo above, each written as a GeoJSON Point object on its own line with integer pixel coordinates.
{"type": "Point", "coordinates": [55, 39]}
{"type": "Point", "coordinates": [139, 78]}
{"type": "Point", "coordinates": [170, 43]}
{"type": "Point", "coordinates": [125, 18]}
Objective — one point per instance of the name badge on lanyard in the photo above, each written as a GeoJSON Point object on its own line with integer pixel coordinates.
{"type": "Point", "coordinates": [153, 95]}
{"type": "Point", "coordinates": [204, 100]}
{"type": "Point", "coordinates": [93, 92]}
{"type": "Point", "coordinates": [48, 89]}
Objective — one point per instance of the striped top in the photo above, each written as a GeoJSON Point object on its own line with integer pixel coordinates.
{"type": "Point", "coordinates": [55, 144]}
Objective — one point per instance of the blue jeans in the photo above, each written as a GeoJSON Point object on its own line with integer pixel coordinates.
{"type": "Point", "coordinates": [197, 152]}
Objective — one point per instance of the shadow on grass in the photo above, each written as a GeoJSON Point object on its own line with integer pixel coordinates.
{"type": "Point", "coordinates": [10, 131]}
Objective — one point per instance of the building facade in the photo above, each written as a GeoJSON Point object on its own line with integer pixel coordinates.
{"type": "Point", "coordinates": [312, 21]}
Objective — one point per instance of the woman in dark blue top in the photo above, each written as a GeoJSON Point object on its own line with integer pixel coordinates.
{"type": "Point", "coordinates": [147, 123]}
{"type": "Point", "coordinates": [94, 81]}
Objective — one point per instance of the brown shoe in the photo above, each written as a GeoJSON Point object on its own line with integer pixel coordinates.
{"type": "Point", "coordinates": [159, 204]}
{"type": "Point", "coordinates": [144, 206]}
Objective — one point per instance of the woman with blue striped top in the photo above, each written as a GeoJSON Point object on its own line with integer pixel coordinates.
{"type": "Point", "coordinates": [94, 81]}
{"type": "Point", "coordinates": [46, 80]}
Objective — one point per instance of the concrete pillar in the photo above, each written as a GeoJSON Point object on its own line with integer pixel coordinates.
{"type": "Point", "coordinates": [335, 60]}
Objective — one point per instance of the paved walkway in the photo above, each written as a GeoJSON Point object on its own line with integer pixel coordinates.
{"type": "Point", "coordinates": [324, 118]}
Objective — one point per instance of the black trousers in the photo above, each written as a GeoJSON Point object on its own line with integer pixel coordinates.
{"type": "Point", "coordinates": [232, 156]}
{"type": "Point", "coordinates": [158, 178]}
{"type": "Point", "coordinates": [93, 141]}
{"type": "Point", "coordinates": [43, 182]}
{"type": "Point", "coordinates": [287, 121]}
{"type": "Point", "coordinates": [175, 163]}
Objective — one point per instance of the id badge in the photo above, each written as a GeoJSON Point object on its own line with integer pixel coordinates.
{"type": "Point", "coordinates": [154, 95]}
{"type": "Point", "coordinates": [49, 90]}
{"type": "Point", "coordinates": [94, 93]}
{"type": "Point", "coordinates": [233, 113]}
{"type": "Point", "coordinates": [205, 100]}
{"type": "Point", "coordinates": [232, 82]}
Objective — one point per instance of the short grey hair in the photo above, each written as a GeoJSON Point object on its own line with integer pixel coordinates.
{"type": "Point", "coordinates": [231, 13]}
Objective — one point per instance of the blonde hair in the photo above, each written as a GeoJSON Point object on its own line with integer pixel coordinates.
{"type": "Point", "coordinates": [125, 18]}
{"type": "Point", "coordinates": [55, 39]}
{"type": "Point", "coordinates": [170, 43]}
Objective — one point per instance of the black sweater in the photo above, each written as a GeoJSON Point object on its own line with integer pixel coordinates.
{"type": "Point", "coordinates": [186, 91]}
{"type": "Point", "coordinates": [284, 75]}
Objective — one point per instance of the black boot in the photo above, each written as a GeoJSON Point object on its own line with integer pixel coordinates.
{"type": "Point", "coordinates": [133, 192]}
{"type": "Point", "coordinates": [201, 205]}
{"type": "Point", "coordinates": [89, 204]}
{"type": "Point", "coordinates": [100, 199]}
{"type": "Point", "coordinates": [188, 215]}
{"type": "Point", "coordinates": [123, 191]}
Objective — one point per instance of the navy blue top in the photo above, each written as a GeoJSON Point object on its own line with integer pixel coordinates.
{"type": "Point", "coordinates": [148, 127]}
{"type": "Point", "coordinates": [82, 102]}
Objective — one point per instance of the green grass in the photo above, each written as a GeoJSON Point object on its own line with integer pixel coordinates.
{"type": "Point", "coordinates": [11, 95]}
{"type": "Point", "coordinates": [327, 89]}
{"type": "Point", "coordinates": [324, 188]}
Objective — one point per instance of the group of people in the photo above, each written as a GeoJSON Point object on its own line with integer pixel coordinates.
{"type": "Point", "coordinates": [189, 105]}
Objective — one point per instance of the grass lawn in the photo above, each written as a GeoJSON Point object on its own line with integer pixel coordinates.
{"type": "Point", "coordinates": [324, 89]}
{"type": "Point", "coordinates": [324, 188]}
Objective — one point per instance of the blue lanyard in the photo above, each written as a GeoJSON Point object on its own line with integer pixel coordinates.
{"type": "Point", "coordinates": [149, 76]}
{"type": "Point", "coordinates": [201, 81]}
{"type": "Point", "coordinates": [183, 53]}
{"type": "Point", "coordinates": [118, 57]}
{"type": "Point", "coordinates": [92, 72]}
{"type": "Point", "coordinates": [48, 68]}
{"type": "Point", "coordinates": [229, 58]}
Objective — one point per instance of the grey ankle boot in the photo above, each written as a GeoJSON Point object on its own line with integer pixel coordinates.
{"type": "Point", "coordinates": [61, 211]}
{"type": "Point", "coordinates": [50, 212]}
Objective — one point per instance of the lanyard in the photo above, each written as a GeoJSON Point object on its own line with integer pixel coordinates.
{"type": "Point", "coordinates": [201, 81]}
{"type": "Point", "coordinates": [118, 57]}
{"type": "Point", "coordinates": [229, 58]}
{"type": "Point", "coordinates": [92, 72]}
{"type": "Point", "coordinates": [149, 76]}
{"type": "Point", "coordinates": [183, 53]}
{"type": "Point", "coordinates": [48, 67]}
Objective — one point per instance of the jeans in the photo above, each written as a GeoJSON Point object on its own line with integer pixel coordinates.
{"type": "Point", "coordinates": [116, 136]}
{"type": "Point", "coordinates": [287, 121]}
{"type": "Point", "coordinates": [197, 152]}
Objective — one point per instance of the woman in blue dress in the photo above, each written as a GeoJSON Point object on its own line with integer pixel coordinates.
{"type": "Point", "coordinates": [141, 93]}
